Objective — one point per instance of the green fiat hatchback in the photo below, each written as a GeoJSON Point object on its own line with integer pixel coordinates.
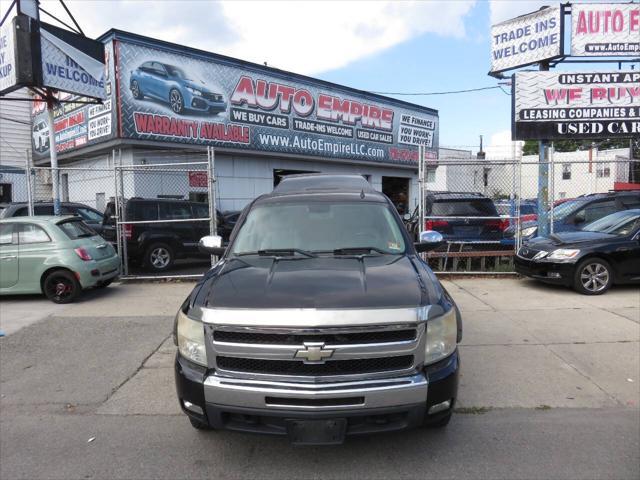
{"type": "Point", "coordinates": [57, 256]}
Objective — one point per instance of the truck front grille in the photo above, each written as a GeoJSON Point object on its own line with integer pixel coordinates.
{"type": "Point", "coordinates": [370, 351]}
{"type": "Point", "coordinates": [330, 367]}
{"type": "Point", "coordinates": [384, 336]}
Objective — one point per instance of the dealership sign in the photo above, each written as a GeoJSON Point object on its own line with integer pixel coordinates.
{"type": "Point", "coordinates": [72, 63]}
{"type": "Point", "coordinates": [173, 96]}
{"type": "Point", "coordinates": [560, 105]}
{"type": "Point", "coordinates": [527, 39]}
{"type": "Point", "coordinates": [76, 123]}
{"type": "Point", "coordinates": [7, 57]}
{"type": "Point", "coordinates": [605, 29]}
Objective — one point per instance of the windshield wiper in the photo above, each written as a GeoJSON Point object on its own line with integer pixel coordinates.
{"type": "Point", "coordinates": [286, 252]}
{"type": "Point", "coordinates": [359, 251]}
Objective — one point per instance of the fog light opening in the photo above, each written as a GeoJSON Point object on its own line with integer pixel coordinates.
{"type": "Point", "coordinates": [192, 408]}
{"type": "Point", "coordinates": [440, 407]}
{"type": "Point", "coordinates": [553, 275]}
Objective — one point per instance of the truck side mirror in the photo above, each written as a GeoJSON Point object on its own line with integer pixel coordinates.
{"type": "Point", "coordinates": [429, 240]}
{"type": "Point", "coordinates": [212, 244]}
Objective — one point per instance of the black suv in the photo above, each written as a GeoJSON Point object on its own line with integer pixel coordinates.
{"type": "Point", "coordinates": [89, 215]}
{"type": "Point", "coordinates": [320, 321]}
{"type": "Point", "coordinates": [463, 217]}
{"type": "Point", "coordinates": [157, 245]}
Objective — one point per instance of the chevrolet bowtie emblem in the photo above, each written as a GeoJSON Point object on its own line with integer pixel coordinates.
{"type": "Point", "coordinates": [314, 352]}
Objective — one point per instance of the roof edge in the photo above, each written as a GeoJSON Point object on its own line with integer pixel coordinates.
{"type": "Point", "coordinates": [116, 34]}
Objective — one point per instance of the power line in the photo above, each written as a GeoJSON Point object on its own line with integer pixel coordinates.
{"type": "Point", "coordinates": [439, 93]}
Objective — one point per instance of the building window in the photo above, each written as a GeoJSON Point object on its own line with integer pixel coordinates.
{"type": "Point", "coordinates": [603, 171]}
{"type": "Point", "coordinates": [431, 175]}
{"type": "Point", "coordinates": [486, 177]}
{"type": "Point", "coordinates": [566, 171]}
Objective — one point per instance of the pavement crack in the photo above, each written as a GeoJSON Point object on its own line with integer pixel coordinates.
{"type": "Point", "coordinates": [140, 367]}
{"type": "Point", "coordinates": [473, 295]}
{"type": "Point", "coordinates": [583, 375]}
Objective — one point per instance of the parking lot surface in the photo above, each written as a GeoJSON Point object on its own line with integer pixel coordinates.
{"type": "Point", "coordinates": [549, 388]}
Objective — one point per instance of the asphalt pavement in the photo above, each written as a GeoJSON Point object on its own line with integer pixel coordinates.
{"type": "Point", "coordinates": [550, 388]}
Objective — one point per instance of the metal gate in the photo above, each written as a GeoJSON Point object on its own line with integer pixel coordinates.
{"type": "Point", "coordinates": [179, 185]}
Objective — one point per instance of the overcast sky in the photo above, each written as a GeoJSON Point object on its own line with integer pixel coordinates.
{"type": "Point", "coordinates": [421, 46]}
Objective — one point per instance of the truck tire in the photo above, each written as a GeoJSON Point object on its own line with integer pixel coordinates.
{"type": "Point", "coordinates": [159, 257]}
{"type": "Point", "coordinates": [198, 425]}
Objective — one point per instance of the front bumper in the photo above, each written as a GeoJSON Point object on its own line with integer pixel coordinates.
{"type": "Point", "coordinates": [266, 407]}
{"type": "Point", "coordinates": [549, 272]}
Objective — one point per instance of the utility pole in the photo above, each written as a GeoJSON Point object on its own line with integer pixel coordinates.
{"type": "Point", "coordinates": [543, 178]}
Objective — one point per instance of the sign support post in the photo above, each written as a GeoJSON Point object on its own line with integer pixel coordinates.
{"type": "Point", "coordinates": [543, 179]}
{"type": "Point", "coordinates": [53, 156]}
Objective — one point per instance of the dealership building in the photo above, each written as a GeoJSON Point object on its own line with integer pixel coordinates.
{"type": "Point", "coordinates": [167, 103]}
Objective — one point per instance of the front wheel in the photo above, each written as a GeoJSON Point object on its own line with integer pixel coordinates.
{"type": "Point", "coordinates": [593, 276]}
{"type": "Point", "coordinates": [159, 257]}
{"type": "Point", "coordinates": [61, 286]}
{"type": "Point", "coordinates": [176, 101]}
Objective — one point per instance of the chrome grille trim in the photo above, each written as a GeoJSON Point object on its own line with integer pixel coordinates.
{"type": "Point", "coordinates": [341, 352]}
{"type": "Point", "coordinates": [313, 317]}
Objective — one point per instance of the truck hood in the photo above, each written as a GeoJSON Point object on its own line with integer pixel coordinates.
{"type": "Point", "coordinates": [382, 281]}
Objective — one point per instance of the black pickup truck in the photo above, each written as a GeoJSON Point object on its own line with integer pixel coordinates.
{"type": "Point", "coordinates": [319, 321]}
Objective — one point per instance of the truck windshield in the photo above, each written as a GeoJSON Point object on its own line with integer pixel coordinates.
{"type": "Point", "coordinates": [320, 227]}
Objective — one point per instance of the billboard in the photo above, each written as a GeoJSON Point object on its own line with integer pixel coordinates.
{"type": "Point", "coordinates": [16, 68]}
{"type": "Point", "coordinates": [8, 65]}
{"type": "Point", "coordinates": [176, 96]}
{"type": "Point", "coordinates": [527, 39]}
{"type": "Point", "coordinates": [557, 105]}
{"type": "Point", "coordinates": [76, 124]}
{"type": "Point", "coordinates": [605, 29]}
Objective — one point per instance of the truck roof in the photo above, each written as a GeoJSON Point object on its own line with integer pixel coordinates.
{"type": "Point", "coordinates": [320, 182]}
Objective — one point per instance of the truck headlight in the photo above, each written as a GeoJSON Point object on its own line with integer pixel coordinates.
{"type": "Point", "coordinates": [441, 337]}
{"type": "Point", "coordinates": [563, 254]}
{"type": "Point", "coordinates": [195, 92]}
{"type": "Point", "coordinates": [190, 335]}
{"type": "Point", "coordinates": [527, 232]}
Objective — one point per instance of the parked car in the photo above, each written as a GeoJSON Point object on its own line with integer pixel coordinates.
{"type": "Point", "coordinates": [320, 321]}
{"type": "Point", "coordinates": [89, 215]}
{"type": "Point", "coordinates": [602, 253]}
{"type": "Point", "coordinates": [157, 245]}
{"type": "Point", "coordinates": [57, 256]}
{"type": "Point", "coordinates": [460, 224]}
{"type": "Point", "coordinates": [571, 215]}
{"type": "Point", "coordinates": [172, 85]}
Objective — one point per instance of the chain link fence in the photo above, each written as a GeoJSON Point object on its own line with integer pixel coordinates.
{"type": "Point", "coordinates": [152, 205]}
{"type": "Point", "coordinates": [485, 208]}
{"type": "Point", "coordinates": [155, 205]}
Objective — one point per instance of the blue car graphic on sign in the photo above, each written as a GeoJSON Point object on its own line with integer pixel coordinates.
{"type": "Point", "coordinates": [170, 84]}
